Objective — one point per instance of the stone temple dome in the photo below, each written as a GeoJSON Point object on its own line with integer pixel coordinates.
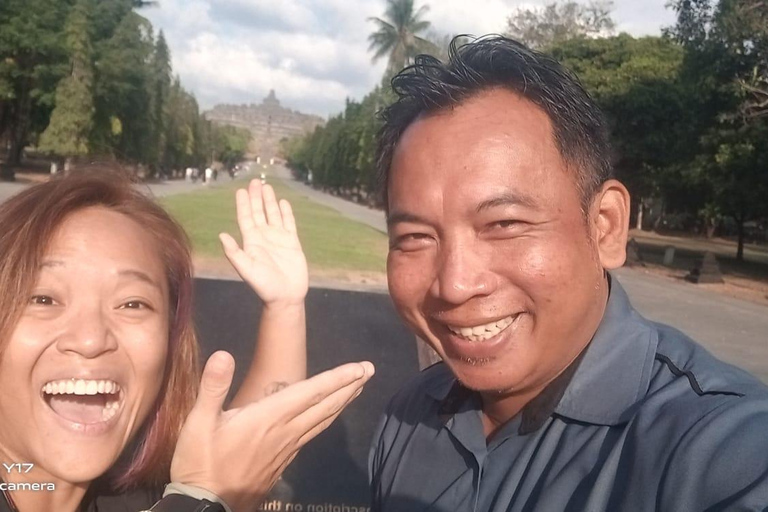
{"type": "Point", "coordinates": [268, 122]}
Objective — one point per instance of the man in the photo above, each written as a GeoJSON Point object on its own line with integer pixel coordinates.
{"type": "Point", "coordinates": [554, 393]}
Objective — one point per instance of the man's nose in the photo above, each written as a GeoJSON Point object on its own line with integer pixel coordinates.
{"type": "Point", "coordinates": [463, 273]}
{"type": "Point", "coordinates": [88, 333]}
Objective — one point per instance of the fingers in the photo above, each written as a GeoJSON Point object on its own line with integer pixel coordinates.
{"type": "Point", "coordinates": [255, 192]}
{"type": "Point", "coordinates": [302, 396]}
{"type": "Point", "coordinates": [289, 221]}
{"type": "Point", "coordinates": [258, 206]}
{"type": "Point", "coordinates": [274, 218]}
{"type": "Point", "coordinates": [319, 419]}
{"type": "Point", "coordinates": [245, 219]}
{"type": "Point", "coordinates": [214, 386]}
{"type": "Point", "coordinates": [236, 256]}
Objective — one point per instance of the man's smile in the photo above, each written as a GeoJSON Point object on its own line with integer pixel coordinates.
{"type": "Point", "coordinates": [482, 332]}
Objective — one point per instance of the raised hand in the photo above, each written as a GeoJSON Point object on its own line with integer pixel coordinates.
{"type": "Point", "coordinates": [271, 260]}
{"type": "Point", "coordinates": [240, 453]}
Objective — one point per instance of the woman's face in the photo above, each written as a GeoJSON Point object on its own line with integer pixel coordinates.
{"type": "Point", "coordinates": [84, 365]}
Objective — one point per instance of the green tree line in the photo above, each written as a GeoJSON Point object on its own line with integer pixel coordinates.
{"type": "Point", "coordinates": [84, 78]}
{"type": "Point", "coordinates": [688, 111]}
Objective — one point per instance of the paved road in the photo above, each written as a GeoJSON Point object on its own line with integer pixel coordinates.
{"type": "Point", "coordinates": [160, 189]}
{"type": "Point", "coordinates": [9, 189]}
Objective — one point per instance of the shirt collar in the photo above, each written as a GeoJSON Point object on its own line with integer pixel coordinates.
{"type": "Point", "coordinates": [602, 386]}
{"type": "Point", "coordinates": [615, 369]}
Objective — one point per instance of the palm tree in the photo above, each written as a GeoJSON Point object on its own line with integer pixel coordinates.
{"type": "Point", "coordinates": [397, 34]}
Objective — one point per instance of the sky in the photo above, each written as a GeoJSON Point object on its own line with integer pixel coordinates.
{"type": "Point", "coordinates": [314, 53]}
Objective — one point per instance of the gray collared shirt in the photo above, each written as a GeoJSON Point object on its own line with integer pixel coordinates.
{"type": "Point", "coordinates": [644, 420]}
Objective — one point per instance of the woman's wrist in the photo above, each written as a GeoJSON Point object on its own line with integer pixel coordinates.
{"type": "Point", "coordinates": [179, 497]}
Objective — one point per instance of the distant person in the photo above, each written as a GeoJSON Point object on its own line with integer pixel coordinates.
{"type": "Point", "coordinates": [554, 394]}
{"type": "Point", "coordinates": [208, 175]}
{"type": "Point", "coordinates": [99, 358]}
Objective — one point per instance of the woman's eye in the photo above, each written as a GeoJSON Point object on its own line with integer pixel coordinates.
{"type": "Point", "coordinates": [135, 304]}
{"type": "Point", "coordinates": [42, 300]}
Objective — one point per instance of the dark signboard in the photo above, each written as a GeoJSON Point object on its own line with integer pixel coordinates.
{"type": "Point", "coordinates": [330, 473]}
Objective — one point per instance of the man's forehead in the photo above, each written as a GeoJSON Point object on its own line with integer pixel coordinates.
{"type": "Point", "coordinates": [498, 115]}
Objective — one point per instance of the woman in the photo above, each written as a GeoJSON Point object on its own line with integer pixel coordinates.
{"type": "Point", "coordinates": [98, 356]}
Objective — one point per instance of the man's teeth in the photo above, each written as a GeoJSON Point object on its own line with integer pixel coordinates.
{"type": "Point", "coordinates": [81, 387]}
{"type": "Point", "coordinates": [482, 332]}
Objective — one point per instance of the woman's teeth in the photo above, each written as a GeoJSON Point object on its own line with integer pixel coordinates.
{"type": "Point", "coordinates": [81, 387]}
{"type": "Point", "coordinates": [83, 401]}
{"type": "Point", "coordinates": [482, 332]}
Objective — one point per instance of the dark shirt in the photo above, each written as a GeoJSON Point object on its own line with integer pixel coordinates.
{"type": "Point", "coordinates": [644, 420]}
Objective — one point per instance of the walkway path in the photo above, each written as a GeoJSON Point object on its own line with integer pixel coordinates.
{"type": "Point", "coordinates": [158, 189]}
{"type": "Point", "coordinates": [363, 214]}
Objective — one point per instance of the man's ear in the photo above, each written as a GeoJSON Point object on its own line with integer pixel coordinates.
{"type": "Point", "coordinates": [610, 223]}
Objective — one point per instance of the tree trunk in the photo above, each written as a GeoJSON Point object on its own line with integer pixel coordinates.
{"type": "Point", "coordinates": [660, 218]}
{"type": "Point", "coordinates": [740, 248]}
{"type": "Point", "coordinates": [3, 120]}
{"type": "Point", "coordinates": [19, 126]}
{"type": "Point", "coordinates": [640, 214]}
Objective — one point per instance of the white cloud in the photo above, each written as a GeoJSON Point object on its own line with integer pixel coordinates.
{"type": "Point", "coordinates": [477, 17]}
{"type": "Point", "coordinates": [314, 52]}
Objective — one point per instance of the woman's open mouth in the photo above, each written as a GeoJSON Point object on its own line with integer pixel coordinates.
{"type": "Point", "coordinates": [83, 401]}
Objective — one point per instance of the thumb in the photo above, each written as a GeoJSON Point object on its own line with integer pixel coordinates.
{"type": "Point", "coordinates": [214, 385]}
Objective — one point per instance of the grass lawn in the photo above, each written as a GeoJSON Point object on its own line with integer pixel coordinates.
{"type": "Point", "coordinates": [331, 242]}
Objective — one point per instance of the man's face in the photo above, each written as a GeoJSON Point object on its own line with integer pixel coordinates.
{"type": "Point", "coordinates": [491, 259]}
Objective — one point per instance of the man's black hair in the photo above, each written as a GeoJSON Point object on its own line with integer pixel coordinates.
{"type": "Point", "coordinates": [490, 62]}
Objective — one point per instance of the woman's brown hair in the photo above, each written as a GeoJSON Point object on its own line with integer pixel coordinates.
{"type": "Point", "coordinates": [28, 222]}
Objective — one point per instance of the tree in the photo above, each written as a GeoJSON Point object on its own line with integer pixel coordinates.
{"type": "Point", "coordinates": [727, 64]}
{"type": "Point", "coordinates": [558, 22]}
{"type": "Point", "coordinates": [33, 59]}
{"type": "Point", "coordinates": [123, 92]}
{"type": "Point", "coordinates": [734, 170]}
{"type": "Point", "coordinates": [161, 79]}
{"type": "Point", "coordinates": [636, 83]}
{"type": "Point", "coordinates": [231, 144]}
{"type": "Point", "coordinates": [397, 35]}
{"type": "Point", "coordinates": [72, 118]}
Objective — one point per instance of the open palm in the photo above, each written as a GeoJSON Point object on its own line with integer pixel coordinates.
{"type": "Point", "coordinates": [271, 260]}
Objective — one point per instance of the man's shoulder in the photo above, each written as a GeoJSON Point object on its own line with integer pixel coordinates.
{"type": "Point", "coordinates": [706, 421]}
{"type": "Point", "coordinates": [681, 359]}
{"type": "Point", "coordinates": [690, 388]}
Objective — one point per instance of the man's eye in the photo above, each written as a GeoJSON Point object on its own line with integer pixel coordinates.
{"type": "Point", "coordinates": [42, 300]}
{"type": "Point", "coordinates": [412, 241]}
{"type": "Point", "coordinates": [506, 223]}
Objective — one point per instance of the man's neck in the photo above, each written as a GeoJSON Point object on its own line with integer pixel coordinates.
{"type": "Point", "coordinates": [499, 408]}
